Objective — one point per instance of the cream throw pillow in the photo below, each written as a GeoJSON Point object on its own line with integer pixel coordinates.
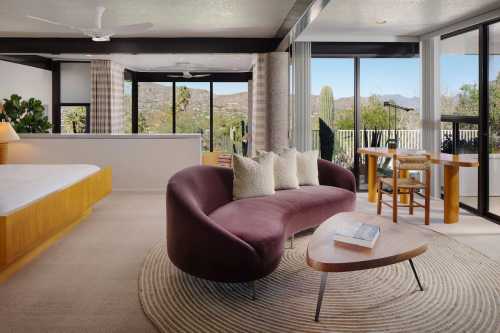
{"type": "Point", "coordinates": [285, 169]}
{"type": "Point", "coordinates": [307, 167]}
{"type": "Point", "coordinates": [253, 177]}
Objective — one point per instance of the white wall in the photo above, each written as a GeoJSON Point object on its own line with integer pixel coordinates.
{"type": "Point", "coordinates": [27, 82]}
{"type": "Point", "coordinates": [75, 82]}
{"type": "Point", "coordinates": [139, 162]}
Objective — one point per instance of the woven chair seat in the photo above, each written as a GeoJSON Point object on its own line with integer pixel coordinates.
{"type": "Point", "coordinates": [404, 183]}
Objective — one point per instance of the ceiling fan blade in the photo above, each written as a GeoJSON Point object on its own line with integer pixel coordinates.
{"type": "Point", "coordinates": [131, 28]}
{"type": "Point", "coordinates": [98, 18]}
{"type": "Point", "coordinates": [41, 19]}
{"type": "Point", "coordinates": [201, 75]}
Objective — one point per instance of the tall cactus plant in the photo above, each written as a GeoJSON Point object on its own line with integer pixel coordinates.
{"type": "Point", "coordinates": [327, 106]}
{"type": "Point", "coordinates": [326, 123]}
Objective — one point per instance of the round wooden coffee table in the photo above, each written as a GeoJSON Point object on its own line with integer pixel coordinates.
{"type": "Point", "coordinates": [397, 242]}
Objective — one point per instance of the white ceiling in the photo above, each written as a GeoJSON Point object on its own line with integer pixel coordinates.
{"type": "Point", "coordinates": [171, 62]}
{"type": "Point", "coordinates": [356, 20]}
{"type": "Point", "coordinates": [171, 18]}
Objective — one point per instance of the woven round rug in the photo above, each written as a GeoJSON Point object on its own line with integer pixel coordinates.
{"type": "Point", "coordinates": [461, 294]}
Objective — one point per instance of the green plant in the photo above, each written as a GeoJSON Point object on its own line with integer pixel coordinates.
{"type": "Point", "coordinates": [183, 98]}
{"type": "Point", "coordinates": [25, 116]}
{"type": "Point", "coordinates": [327, 106]}
{"type": "Point", "coordinates": [74, 119]}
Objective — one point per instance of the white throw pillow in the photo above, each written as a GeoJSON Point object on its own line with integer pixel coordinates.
{"type": "Point", "coordinates": [253, 177]}
{"type": "Point", "coordinates": [307, 167]}
{"type": "Point", "coordinates": [285, 169]}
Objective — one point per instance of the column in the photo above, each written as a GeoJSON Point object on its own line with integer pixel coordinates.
{"type": "Point", "coordinates": [430, 98]}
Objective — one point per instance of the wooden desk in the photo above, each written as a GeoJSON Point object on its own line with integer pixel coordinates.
{"type": "Point", "coordinates": [452, 164]}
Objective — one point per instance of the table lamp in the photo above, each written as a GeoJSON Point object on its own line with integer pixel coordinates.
{"type": "Point", "coordinates": [7, 134]}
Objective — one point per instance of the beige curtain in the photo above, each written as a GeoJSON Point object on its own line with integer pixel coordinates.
{"type": "Point", "coordinates": [269, 106]}
{"type": "Point", "coordinates": [258, 113]}
{"type": "Point", "coordinates": [106, 111]}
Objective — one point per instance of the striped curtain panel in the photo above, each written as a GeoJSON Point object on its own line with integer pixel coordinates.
{"type": "Point", "coordinates": [106, 112]}
{"type": "Point", "coordinates": [301, 96]}
{"type": "Point", "coordinates": [258, 114]}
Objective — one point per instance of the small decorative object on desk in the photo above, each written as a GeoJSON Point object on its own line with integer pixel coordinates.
{"type": "Point", "coordinates": [362, 234]}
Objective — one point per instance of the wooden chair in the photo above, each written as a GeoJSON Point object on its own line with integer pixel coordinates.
{"type": "Point", "coordinates": [217, 158]}
{"type": "Point", "coordinates": [402, 184]}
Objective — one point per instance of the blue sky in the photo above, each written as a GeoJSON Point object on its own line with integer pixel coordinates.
{"type": "Point", "coordinates": [378, 76]}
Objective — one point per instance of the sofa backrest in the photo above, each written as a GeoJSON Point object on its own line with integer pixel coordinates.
{"type": "Point", "coordinates": [208, 186]}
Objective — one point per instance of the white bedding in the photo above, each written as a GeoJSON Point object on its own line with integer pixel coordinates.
{"type": "Point", "coordinates": [22, 184]}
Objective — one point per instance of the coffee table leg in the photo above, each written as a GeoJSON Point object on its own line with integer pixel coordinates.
{"type": "Point", "coordinates": [322, 287]}
{"type": "Point", "coordinates": [416, 275]}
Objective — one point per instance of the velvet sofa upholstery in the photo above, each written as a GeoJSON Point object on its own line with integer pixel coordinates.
{"type": "Point", "coordinates": [213, 237]}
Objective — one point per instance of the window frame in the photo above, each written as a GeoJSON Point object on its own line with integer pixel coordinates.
{"type": "Point", "coordinates": [138, 77]}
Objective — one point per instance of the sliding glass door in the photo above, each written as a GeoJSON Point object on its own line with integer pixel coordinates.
{"type": "Point", "coordinates": [494, 119]}
{"type": "Point", "coordinates": [470, 112]}
{"type": "Point", "coordinates": [390, 107]}
{"type": "Point", "coordinates": [332, 99]}
{"type": "Point", "coordinates": [363, 102]}
{"type": "Point", "coordinates": [459, 61]}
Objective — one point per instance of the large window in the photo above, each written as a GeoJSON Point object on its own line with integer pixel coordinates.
{"type": "Point", "coordinates": [332, 99]}
{"type": "Point", "coordinates": [390, 107]}
{"type": "Point", "coordinates": [230, 116]}
{"type": "Point", "coordinates": [460, 106]}
{"type": "Point", "coordinates": [199, 106]}
{"type": "Point", "coordinates": [192, 110]}
{"type": "Point", "coordinates": [155, 107]}
{"type": "Point", "coordinates": [494, 118]}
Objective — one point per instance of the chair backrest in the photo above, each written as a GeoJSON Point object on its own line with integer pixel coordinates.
{"type": "Point", "coordinates": [217, 158]}
{"type": "Point", "coordinates": [411, 162]}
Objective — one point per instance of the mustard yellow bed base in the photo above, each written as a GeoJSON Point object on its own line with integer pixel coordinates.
{"type": "Point", "coordinates": [26, 230]}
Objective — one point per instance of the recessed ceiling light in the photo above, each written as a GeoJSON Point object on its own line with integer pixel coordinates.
{"type": "Point", "coordinates": [381, 21]}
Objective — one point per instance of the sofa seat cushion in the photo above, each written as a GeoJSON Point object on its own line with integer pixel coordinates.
{"type": "Point", "coordinates": [265, 222]}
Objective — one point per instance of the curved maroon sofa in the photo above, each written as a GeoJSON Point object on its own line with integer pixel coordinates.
{"type": "Point", "coordinates": [213, 237]}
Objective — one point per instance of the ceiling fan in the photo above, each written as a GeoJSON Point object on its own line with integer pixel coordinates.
{"type": "Point", "coordinates": [98, 33]}
{"type": "Point", "coordinates": [188, 75]}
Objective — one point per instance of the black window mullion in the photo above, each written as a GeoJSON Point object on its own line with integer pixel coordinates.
{"type": "Point", "coordinates": [211, 116]}
{"type": "Point", "coordinates": [357, 118]}
{"type": "Point", "coordinates": [483, 186]}
{"type": "Point", "coordinates": [173, 108]}
{"type": "Point", "coordinates": [135, 104]}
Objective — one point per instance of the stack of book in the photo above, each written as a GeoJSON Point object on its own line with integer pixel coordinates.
{"type": "Point", "coordinates": [357, 233]}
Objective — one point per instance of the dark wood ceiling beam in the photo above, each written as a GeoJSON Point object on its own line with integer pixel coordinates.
{"type": "Point", "coordinates": [213, 77]}
{"type": "Point", "coordinates": [29, 60]}
{"type": "Point", "coordinates": [138, 45]}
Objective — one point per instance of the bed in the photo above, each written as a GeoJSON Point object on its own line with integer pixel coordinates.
{"type": "Point", "coordinates": [38, 202]}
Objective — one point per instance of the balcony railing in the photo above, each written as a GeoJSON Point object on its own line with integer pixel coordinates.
{"type": "Point", "coordinates": [408, 139]}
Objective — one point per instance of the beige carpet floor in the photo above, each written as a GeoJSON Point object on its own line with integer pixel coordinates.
{"type": "Point", "coordinates": [88, 281]}
{"type": "Point", "coordinates": [461, 294]}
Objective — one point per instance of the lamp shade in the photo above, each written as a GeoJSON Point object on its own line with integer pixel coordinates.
{"type": "Point", "coordinates": [7, 133]}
